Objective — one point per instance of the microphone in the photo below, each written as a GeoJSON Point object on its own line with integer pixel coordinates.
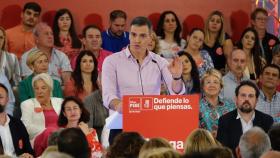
{"type": "Point", "coordinates": [139, 68]}
{"type": "Point", "coordinates": [162, 77]}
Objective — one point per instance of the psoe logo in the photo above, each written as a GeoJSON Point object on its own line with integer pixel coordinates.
{"type": "Point", "coordinates": [147, 103]}
{"type": "Point", "coordinates": [134, 104]}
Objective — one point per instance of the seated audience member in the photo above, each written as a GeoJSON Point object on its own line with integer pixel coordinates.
{"type": "Point", "coordinates": [155, 143]}
{"type": "Point", "coordinates": [48, 150]}
{"type": "Point", "coordinates": [38, 62]}
{"type": "Point", "coordinates": [253, 143]}
{"type": "Point", "coordinates": [271, 154]}
{"type": "Point", "coordinates": [212, 107]}
{"type": "Point", "coordinates": [92, 41]}
{"type": "Point", "coordinates": [168, 30]}
{"type": "Point", "coordinates": [217, 42]}
{"type": "Point", "coordinates": [154, 44]}
{"type": "Point", "coordinates": [59, 67]}
{"type": "Point", "coordinates": [115, 38]}
{"type": "Point", "coordinates": [56, 154]}
{"type": "Point", "coordinates": [249, 43]}
{"type": "Point", "coordinates": [190, 73]}
{"type": "Point", "coordinates": [73, 114]}
{"type": "Point", "coordinates": [84, 77]}
{"type": "Point", "coordinates": [199, 140]}
{"type": "Point", "coordinates": [11, 102]}
{"type": "Point", "coordinates": [269, 99]}
{"type": "Point", "coordinates": [220, 152]}
{"type": "Point", "coordinates": [274, 135]}
{"type": "Point", "coordinates": [8, 61]}
{"type": "Point", "coordinates": [40, 114]}
{"type": "Point", "coordinates": [276, 59]}
{"type": "Point", "coordinates": [201, 57]}
{"type": "Point", "coordinates": [73, 141]}
{"type": "Point", "coordinates": [126, 144]}
{"type": "Point", "coordinates": [65, 37]}
{"type": "Point", "coordinates": [20, 38]}
{"type": "Point", "coordinates": [160, 153]}
{"type": "Point", "coordinates": [233, 124]}
{"type": "Point", "coordinates": [14, 140]}
{"type": "Point", "coordinates": [237, 63]}
{"type": "Point", "coordinates": [98, 112]}
{"type": "Point", "coordinates": [259, 19]}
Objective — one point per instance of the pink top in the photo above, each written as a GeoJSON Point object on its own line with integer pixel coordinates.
{"type": "Point", "coordinates": [102, 55]}
{"type": "Point", "coordinates": [50, 118]}
{"type": "Point", "coordinates": [67, 48]}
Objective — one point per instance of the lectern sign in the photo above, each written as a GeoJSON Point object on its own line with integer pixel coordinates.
{"type": "Point", "coordinates": [172, 117]}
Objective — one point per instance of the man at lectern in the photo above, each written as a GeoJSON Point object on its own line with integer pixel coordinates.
{"type": "Point", "coordinates": [137, 71]}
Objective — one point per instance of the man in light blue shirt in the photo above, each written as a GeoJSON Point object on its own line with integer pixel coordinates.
{"type": "Point", "coordinates": [269, 100]}
{"type": "Point", "coordinates": [11, 102]}
{"type": "Point", "coordinates": [237, 64]}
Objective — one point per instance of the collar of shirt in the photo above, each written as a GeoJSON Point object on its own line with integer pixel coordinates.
{"type": "Point", "coordinates": [220, 103]}
{"type": "Point", "coordinates": [246, 126]}
{"type": "Point", "coordinates": [110, 33]}
{"type": "Point", "coordinates": [274, 97]}
{"type": "Point", "coordinates": [232, 77]}
{"type": "Point", "coordinates": [128, 54]}
{"type": "Point", "coordinates": [7, 121]}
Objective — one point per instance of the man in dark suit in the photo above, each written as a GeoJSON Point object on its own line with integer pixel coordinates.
{"type": "Point", "coordinates": [14, 139]}
{"type": "Point", "coordinates": [233, 124]}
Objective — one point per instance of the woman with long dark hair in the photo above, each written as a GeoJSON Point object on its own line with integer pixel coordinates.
{"type": "Point", "coordinates": [168, 30]}
{"type": "Point", "coordinates": [84, 77]}
{"type": "Point", "coordinates": [190, 73]}
{"type": "Point", "coordinates": [65, 37]}
{"type": "Point", "coordinates": [249, 43]}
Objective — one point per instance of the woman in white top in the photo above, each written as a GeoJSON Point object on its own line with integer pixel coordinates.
{"type": "Point", "coordinates": [168, 30]}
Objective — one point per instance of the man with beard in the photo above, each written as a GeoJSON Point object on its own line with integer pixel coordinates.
{"type": "Point", "coordinates": [14, 139]}
{"type": "Point", "coordinates": [116, 38]}
{"type": "Point", "coordinates": [233, 124]}
{"type": "Point", "coordinates": [20, 37]}
{"type": "Point", "coordinates": [237, 64]}
{"type": "Point", "coordinates": [269, 100]}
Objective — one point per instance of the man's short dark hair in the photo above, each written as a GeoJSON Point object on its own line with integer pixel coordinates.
{"type": "Point", "coordinates": [73, 142]}
{"type": "Point", "coordinates": [256, 11]}
{"type": "Point", "coordinates": [4, 87]}
{"type": "Point", "coordinates": [272, 66]}
{"type": "Point", "coordinates": [117, 14]}
{"type": "Point", "coordinates": [84, 32]}
{"type": "Point", "coordinates": [247, 83]}
{"type": "Point", "coordinates": [33, 6]}
{"type": "Point", "coordinates": [274, 135]}
{"type": "Point", "coordinates": [141, 21]}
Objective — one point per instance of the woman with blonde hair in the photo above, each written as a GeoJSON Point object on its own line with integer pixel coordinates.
{"type": "Point", "coordinates": [38, 62]}
{"type": "Point", "coordinates": [154, 44]}
{"type": "Point", "coordinates": [199, 140]}
{"type": "Point", "coordinates": [217, 42]}
{"type": "Point", "coordinates": [211, 105]}
{"type": "Point", "coordinates": [160, 153]}
{"type": "Point", "coordinates": [155, 143]}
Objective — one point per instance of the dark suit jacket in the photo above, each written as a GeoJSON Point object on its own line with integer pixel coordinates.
{"type": "Point", "coordinates": [230, 128]}
{"type": "Point", "coordinates": [20, 137]}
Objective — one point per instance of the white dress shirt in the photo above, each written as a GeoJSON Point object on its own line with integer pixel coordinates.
{"type": "Point", "coordinates": [246, 125]}
{"type": "Point", "coordinates": [6, 139]}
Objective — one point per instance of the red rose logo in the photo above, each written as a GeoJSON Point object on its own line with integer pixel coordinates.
{"type": "Point", "coordinates": [20, 144]}
{"type": "Point", "coordinates": [271, 42]}
{"type": "Point", "coordinates": [38, 109]}
{"type": "Point", "coordinates": [219, 51]}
